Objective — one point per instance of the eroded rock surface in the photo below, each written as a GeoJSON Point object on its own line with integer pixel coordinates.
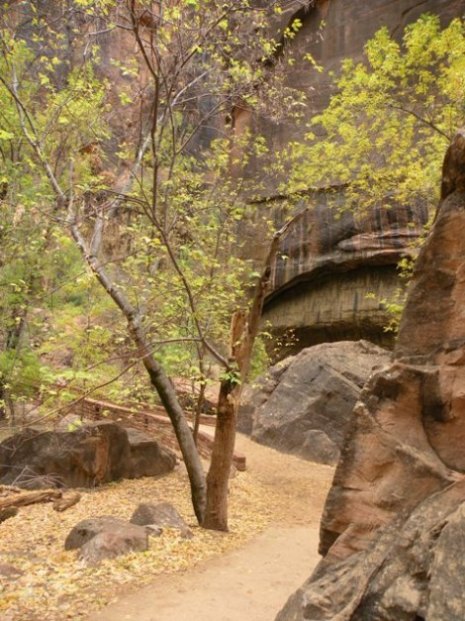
{"type": "Point", "coordinates": [409, 428]}
{"type": "Point", "coordinates": [412, 572]}
{"type": "Point", "coordinates": [331, 260]}
{"type": "Point", "coordinates": [394, 513]}
{"type": "Point", "coordinates": [91, 455]}
{"type": "Point", "coordinates": [304, 403]}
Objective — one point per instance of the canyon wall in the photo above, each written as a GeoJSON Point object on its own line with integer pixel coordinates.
{"type": "Point", "coordinates": [392, 529]}
{"type": "Point", "coordinates": [339, 268]}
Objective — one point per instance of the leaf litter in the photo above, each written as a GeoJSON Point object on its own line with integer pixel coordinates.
{"type": "Point", "coordinates": [55, 585]}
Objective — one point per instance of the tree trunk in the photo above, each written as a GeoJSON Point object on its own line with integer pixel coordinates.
{"type": "Point", "coordinates": [158, 377]}
{"type": "Point", "coordinates": [244, 330]}
{"type": "Point", "coordinates": [216, 512]}
{"type": "Point", "coordinates": [183, 433]}
{"type": "Point", "coordinates": [198, 410]}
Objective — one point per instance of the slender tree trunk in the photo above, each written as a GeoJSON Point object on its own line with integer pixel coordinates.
{"type": "Point", "coordinates": [198, 410]}
{"type": "Point", "coordinates": [244, 330]}
{"type": "Point", "coordinates": [216, 512]}
{"type": "Point", "coordinates": [168, 397]}
{"type": "Point", "coordinates": [158, 377]}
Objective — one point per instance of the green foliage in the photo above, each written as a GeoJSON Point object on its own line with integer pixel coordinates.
{"type": "Point", "coordinates": [385, 130]}
{"type": "Point", "coordinates": [260, 359]}
{"type": "Point", "coordinates": [20, 373]}
{"type": "Point", "coordinates": [175, 246]}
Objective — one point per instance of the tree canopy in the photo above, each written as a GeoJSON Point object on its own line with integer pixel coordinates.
{"type": "Point", "coordinates": [385, 129]}
{"type": "Point", "coordinates": [122, 186]}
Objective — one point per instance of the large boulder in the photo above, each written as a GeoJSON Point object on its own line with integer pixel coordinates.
{"type": "Point", "coordinates": [91, 455]}
{"type": "Point", "coordinates": [304, 403]}
{"type": "Point", "coordinates": [403, 455]}
{"type": "Point", "coordinates": [106, 538]}
{"type": "Point", "coordinates": [413, 571]}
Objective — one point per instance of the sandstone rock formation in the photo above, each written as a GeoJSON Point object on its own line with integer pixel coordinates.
{"type": "Point", "coordinates": [304, 403]}
{"type": "Point", "coordinates": [412, 572]}
{"type": "Point", "coordinates": [335, 268]}
{"type": "Point", "coordinates": [404, 455]}
{"type": "Point", "coordinates": [93, 454]}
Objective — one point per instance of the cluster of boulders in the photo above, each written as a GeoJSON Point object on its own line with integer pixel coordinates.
{"type": "Point", "coordinates": [88, 456]}
{"type": "Point", "coordinates": [107, 537]}
{"type": "Point", "coordinates": [304, 403]}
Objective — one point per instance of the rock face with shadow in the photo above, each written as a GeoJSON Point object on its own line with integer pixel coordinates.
{"type": "Point", "coordinates": [304, 403]}
{"type": "Point", "coordinates": [91, 455]}
{"type": "Point", "coordinates": [335, 268]}
{"type": "Point", "coordinates": [333, 260]}
{"type": "Point", "coordinates": [390, 528]}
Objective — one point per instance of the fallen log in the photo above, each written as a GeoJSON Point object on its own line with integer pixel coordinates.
{"type": "Point", "coordinates": [22, 499]}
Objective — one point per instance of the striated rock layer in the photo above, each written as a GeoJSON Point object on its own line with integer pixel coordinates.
{"type": "Point", "coordinates": [336, 268]}
{"type": "Point", "coordinates": [404, 454]}
{"type": "Point", "coordinates": [320, 290]}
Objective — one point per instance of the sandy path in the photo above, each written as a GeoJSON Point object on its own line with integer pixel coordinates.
{"type": "Point", "coordinates": [252, 582]}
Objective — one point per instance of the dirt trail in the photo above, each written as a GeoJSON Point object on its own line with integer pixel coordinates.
{"type": "Point", "coordinates": [252, 582]}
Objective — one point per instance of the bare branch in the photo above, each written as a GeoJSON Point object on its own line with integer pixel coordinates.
{"type": "Point", "coordinates": [421, 119]}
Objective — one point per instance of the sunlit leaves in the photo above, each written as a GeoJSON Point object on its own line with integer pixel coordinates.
{"type": "Point", "coordinates": [387, 126]}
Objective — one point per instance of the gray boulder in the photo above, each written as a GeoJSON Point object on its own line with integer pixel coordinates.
{"type": "Point", "coordinates": [160, 515]}
{"type": "Point", "coordinates": [120, 529]}
{"type": "Point", "coordinates": [109, 544]}
{"type": "Point", "coordinates": [304, 403]}
{"type": "Point", "coordinates": [107, 537]}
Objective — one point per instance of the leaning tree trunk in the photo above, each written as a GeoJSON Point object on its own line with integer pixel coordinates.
{"type": "Point", "coordinates": [158, 377]}
{"type": "Point", "coordinates": [90, 253]}
{"type": "Point", "coordinates": [244, 330]}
